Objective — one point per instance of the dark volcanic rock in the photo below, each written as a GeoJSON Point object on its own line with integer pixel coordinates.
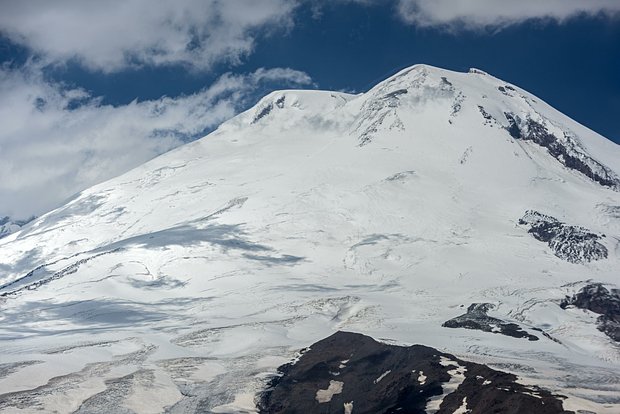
{"type": "Point", "coordinates": [280, 102]}
{"type": "Point", "coordinates": [571, 243]}
{"type": "Point", "coordinates": [389, 97]}
{"type": "Point", "coordinates": [477, 318]}
{"type": "Point", "coordinates": [263, 113]}
{"type": "Point", "coordinates": [565, 150]}
{"type": "Point", "coordinates": [513, 127]}
{"type": "Point", "coordinates": [352, 373]}
{"type": "Point", "coordinates": [597, 298]}
{"type": "Point", "coordinates": [489, 120]}
{"type": "Point", "coordinates": [266, 110]}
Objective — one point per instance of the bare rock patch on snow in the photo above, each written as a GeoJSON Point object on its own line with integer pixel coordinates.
{"type": "Point", "coordinates": [448, 385]}
{"type": "Point", "coordinates": [598, 299]}
{"type": "Point", "coordinates": [476, 318]}
{"type": "Point", "coordinates": [574, 244]}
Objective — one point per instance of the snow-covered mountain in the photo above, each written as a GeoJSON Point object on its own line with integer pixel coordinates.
{"type": "Point", "coordinates": [8, 225]}
{"type": "Point", "coordinates": [435, 202]}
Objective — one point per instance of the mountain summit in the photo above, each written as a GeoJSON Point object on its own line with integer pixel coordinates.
{"type": "Point", "coordinates": [453, 210]}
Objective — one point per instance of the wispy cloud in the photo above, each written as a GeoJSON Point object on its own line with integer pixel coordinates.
{"type": "Point", "coordinates": [112, 35]}
{"type": "Point", "coordinates": [475, 14]}
{"type": "Point", "coordinates": [56, 141]}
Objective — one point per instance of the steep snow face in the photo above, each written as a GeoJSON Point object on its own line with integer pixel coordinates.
{"type": "Point", "coordinates": [183, 282]}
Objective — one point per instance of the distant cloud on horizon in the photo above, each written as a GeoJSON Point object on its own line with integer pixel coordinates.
{"type": "Point", "coordinates": [114, 35]}
{"type": "Point", "coordinates": [117, 35]}
{"type": "Point", "coordinates": [497, 14]}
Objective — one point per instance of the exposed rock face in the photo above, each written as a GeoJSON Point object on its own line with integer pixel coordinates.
{"type": "Point", "coordinates": [566, 150]}
{"type": "Point", "coordinates": [352, 373]}
{"type": "Point", "coordinates": [263, 113]}
{"type": "Point", "coordinates": [410, 88]}
{"type": "Point", "coordinates": [266, 110]}
{"type": "Point", "coordinates": [379, 111]}
{"type": "Point", "coordinates": [572, 243]}
{"type": "Point", "coordinates": [477, 318]}
{"type": "Point", "coordinates": [513, 127]}
{"type": "Point", "coordinates": [597, 298]}
{"type": "Point", "coordinates": [488, 118]}
{"type": "Point", "coordinates": [504, 89]}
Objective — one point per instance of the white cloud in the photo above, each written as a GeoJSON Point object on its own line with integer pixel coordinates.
{"type": "Point", "coordinates": [113, 35]}
{"type": "Point", "coordinates": [473, 14]}
{"type": "Point", "coordinates": [56, 141]}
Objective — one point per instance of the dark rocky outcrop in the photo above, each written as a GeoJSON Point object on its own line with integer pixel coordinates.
{"type": "Point", "coordinates": [280, 102]}
{"type": "Point", "coordinates": [390, 96]}
{"type": "Point", "coordinates": [572, 243]}
{"type": "Point", "coordinates": [267, 109]}
{"type": "Point", "coordinates": [445, 81]}
{"type": "Point", "coordinates": [489, 120]}
{"type": "Point", "coordinates": [513, 126]}
{"type": "Point", "coordinates": [263, 113]}
{"type": "Point", "coordinates": [477, 318]}
{"type": "Point", "coordinates": [504, 89]}
{"type": "Point", "coordinates": [566, 151]}
{"type": "Point", "coordinates": [606, 302]}
{"type": "Point", "coordinates": [352, 373]}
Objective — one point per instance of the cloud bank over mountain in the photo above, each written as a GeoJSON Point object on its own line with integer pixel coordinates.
{"type": "Point", "coordinates": [56, 141]}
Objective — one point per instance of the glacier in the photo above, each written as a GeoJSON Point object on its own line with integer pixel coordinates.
{"type": "Point", "coordinates": [182, 285]}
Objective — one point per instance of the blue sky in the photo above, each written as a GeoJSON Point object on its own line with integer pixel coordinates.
{"type": "Point", "coordinates": [91, 89]}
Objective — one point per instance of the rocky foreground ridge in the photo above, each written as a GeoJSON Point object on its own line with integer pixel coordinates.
{"type": "Point", "coordinates": [353, 373]}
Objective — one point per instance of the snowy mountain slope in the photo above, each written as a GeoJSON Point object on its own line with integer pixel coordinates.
{"type": "Point", "coordinates": [187, 280]}
{"type": "Point", "coordinates": [8, 225]}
